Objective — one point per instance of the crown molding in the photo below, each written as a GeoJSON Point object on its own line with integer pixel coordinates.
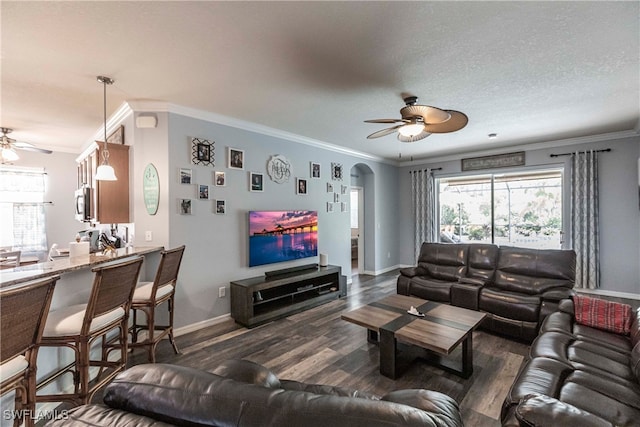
{"type": "Point", "coordinates": [527, 147]}
{"type": "Point", "coordinates": [114, 120]}
{"type": "Point", "coordinates": [155, 106]}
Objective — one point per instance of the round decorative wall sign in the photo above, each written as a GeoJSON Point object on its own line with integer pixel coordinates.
{"type": "Point", "coordinates": [279, 169]}
{"type": "Point", "coordinates": [151, 189]}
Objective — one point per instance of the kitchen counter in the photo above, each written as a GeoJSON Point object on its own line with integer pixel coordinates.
{"type": "Point", "coordinates": [26, 273]}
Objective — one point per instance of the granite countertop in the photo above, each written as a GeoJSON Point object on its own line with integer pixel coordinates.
{"type": "Point", "coordinates": [65, 264]}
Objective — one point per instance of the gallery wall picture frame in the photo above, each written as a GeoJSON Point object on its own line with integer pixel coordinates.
{"type": "Point", "coordinates": [329, 207]}
{"type": "Point", "coordinates": [185, 207]}
{"type": "Point", "coordinates": [336, 197]}
{"type": "Point", "coordinates": [343, 207]}
{"type": "Point", "coordinates": [203, 192]}
{"type": "Point", "coordinates": [235, 158]}
{"type": "Point", "coordinates": [202, 152]}
{"type": "Point", "coordinates": [219, 178]}
{"type": "Point", "coordinates": [221, 207]}
{"type": "Point", "coordinates": [343, 189]}
{"type": "Point", "coordinates": [329, 187]}
{"type": "Point", "coordinates": [336, 171]}
{"type": "Point", "coordinates": [186, 176]}
{"type": "Point", "coordinates": [314, 170]}
{"type": "Point", "coordinates": [301, 186]}
{"type": "Point", "coordinates": [256, 182]}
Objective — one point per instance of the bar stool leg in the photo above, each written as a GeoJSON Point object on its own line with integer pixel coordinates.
{"type": "Point", "coordinates": [171, 338]}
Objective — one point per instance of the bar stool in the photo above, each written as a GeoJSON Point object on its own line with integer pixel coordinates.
{"type": "Point", "coordinates": [149, 295]}
{"type": "Point", "coordinates": [23, 311]}
{"type": "Point", "coordinates": [79, 326]}
{"type": "Point", "coordinates": [10, 259]}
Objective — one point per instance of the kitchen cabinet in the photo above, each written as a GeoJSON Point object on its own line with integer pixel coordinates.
{"type": "Point", "coordinates": [109, 199]}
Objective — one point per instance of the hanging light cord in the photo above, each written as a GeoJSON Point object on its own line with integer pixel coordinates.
{"type": "Point", "coordinates": [105, 152]}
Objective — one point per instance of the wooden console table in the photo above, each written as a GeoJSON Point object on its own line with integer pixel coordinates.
{"type": "Point", "coordinates": [261, 299]}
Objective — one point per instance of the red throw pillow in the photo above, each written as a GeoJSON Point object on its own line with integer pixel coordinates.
{"type": "Point", "coordinates": [606, 315]}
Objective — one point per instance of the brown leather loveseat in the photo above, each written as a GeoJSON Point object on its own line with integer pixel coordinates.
{"type": "Point", "coordinates": [516, 287]}
{"type": "Point", "coordinates": [242, 393]}
{"type": "Point", "coordinates": [579, 374]}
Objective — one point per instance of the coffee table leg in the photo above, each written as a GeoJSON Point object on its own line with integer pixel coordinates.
{"type": "Point", "coordinates": [372, 336]}
{"type": "Point", "coordinates": [388, 351]}
{"type": "Point", "coordinates": [467, 356]}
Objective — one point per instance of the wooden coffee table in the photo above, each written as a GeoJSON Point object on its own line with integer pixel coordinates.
{"type": "Point", "coordinates": [439, 332]}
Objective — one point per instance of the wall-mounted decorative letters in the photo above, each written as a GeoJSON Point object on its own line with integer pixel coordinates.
{"type": "Point", "coordinates": [279, 169]}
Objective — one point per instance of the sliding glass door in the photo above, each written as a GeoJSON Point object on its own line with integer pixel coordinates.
{"type": "Point", "coordinates": [517, 208]}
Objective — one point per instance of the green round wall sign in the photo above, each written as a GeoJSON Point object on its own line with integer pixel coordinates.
{"type": "Point", "coordinates": [151, 189]}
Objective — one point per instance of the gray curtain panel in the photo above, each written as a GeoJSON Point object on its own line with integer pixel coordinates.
{"type": "Point", "coordinates": [423, 203]}
{"type": "Point", "coordinates": [585, 233]}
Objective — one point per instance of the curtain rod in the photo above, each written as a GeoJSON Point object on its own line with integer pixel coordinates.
{"type": "Point", "coordinates": [424, 170]}
{"type": "Point", "coordinates": [606, 150]}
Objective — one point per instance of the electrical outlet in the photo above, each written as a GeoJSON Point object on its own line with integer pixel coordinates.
{"type": "Point", "coordinates": [148, 236]}
{"type": "Point", "coordinates": [222, 292]}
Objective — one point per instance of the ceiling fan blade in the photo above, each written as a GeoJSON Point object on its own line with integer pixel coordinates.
{"type": "Point", "coordinates": [418, 137]}
{"type": "Point", "coordinates": [429, 114]}
{"type": "Point", "coordinates": [29, 147]}
{"type": "Point", "coordinates": [384, 132]}
{"type": "Point", "coordinates": [384, 121]}
{"type": "Point", "coordinates": [457, 121]}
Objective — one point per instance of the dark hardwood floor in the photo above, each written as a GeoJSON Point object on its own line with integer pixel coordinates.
{"type": "Point", "coordinates": [317, 346]}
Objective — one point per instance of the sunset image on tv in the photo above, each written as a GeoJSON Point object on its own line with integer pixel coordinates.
{"type": "Point", "coordinates": [277, 236]}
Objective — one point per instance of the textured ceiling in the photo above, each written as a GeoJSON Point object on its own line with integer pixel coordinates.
{"type": "Point", "coordinates": [528, 71]}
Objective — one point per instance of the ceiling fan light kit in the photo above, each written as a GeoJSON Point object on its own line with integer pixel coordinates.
{"type": "Point", "coordinates": [420, 121]}
{"type": "Point", "coordinates": [8, 147]}
{"type": "Point", "coordinates": [105, 171]}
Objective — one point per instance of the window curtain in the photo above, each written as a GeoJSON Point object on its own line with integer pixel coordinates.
{"type": "Point", "coordinates": [585, 233]}
{"type": "Point", "coordinates": [423, 202]}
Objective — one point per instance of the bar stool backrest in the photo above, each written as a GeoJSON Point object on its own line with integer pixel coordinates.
{"type": "Point", "coordinates": [168, 269]}
{"type": "Point", "coordinates": [23, 311]}
{"type": "Point", "coordinates": [113, 287]}
{"type": "Point", "coordinates": [12, 258]}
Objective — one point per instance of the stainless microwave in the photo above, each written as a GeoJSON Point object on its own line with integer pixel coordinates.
{"type": "Point", "coordinates": [83, 204]}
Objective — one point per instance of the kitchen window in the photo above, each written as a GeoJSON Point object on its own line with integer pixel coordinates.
{"type": "Point", "coordinates": [22, 208]}
{"type": "Point", "coordinates": [518, 209]}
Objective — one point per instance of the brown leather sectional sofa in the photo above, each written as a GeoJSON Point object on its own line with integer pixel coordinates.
{"type": "Point", "coordinates": [516, 287]}
{"type": "Point", "coordinates": [577, 375]}
{"type": "Point", "coordinates": [244, 394]}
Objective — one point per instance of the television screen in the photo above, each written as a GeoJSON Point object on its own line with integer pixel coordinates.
{"type": "Point", "coordinates": [277, 236]}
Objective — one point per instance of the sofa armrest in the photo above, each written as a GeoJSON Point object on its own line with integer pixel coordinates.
{"type": "Point", "coordinates": [329, 390]}
{"type": "Point", "coordinates": [247, 372]}
{"type": "Point", "coordinates": [436, 403]}
{"type": "Point", "coordinates": [566, 306]}
{"type": "Point", "coordinates": [540, 410]}
{"type": "Point", "coordinates": [556, 294]}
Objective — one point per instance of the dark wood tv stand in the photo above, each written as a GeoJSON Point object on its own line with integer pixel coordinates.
{"type": "Point", "coordinates": [261, 299]}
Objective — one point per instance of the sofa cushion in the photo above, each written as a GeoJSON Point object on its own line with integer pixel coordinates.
{"type": "Point", "coordinates": [510, 305]}
{"type": "Point", "coordinates": [431, 289]}
{"type": "Point", "coordinates": [534, 271]}
{"type": "Point", "coordinates": [601, 314]}
{"type": "Point", "coordinates": [443, 261]}
{"type": "Point", "coordinates": [482, 261]}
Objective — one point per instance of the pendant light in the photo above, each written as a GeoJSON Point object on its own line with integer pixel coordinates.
{"type": "Point", "coordinates": [105, 171]}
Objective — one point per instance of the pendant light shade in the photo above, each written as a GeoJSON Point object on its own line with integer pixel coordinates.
{"type": "Point", "coordinates": [105, 171]}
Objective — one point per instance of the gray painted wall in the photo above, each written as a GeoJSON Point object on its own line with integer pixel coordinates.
{"type": "Point", "coordinates": [619, 207]}
{"type": "Point", "coordinates": [217, 244]}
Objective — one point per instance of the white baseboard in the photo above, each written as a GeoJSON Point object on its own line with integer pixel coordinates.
{"type": "Point", "coordinates": [604, 292]}
{"type": "Point", "coordinates": [202, 324]}
{"type": "Point", "coordinates": [382, 271]}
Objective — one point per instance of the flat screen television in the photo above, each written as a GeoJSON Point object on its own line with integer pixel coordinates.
{"type": "Point", "coordinates": [278, 236]}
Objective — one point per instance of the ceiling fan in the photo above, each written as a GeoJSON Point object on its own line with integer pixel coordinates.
{"type": "Point", "coordinates": [420, 121]}
{"type": "Point", "coordinates": [9, 145]}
